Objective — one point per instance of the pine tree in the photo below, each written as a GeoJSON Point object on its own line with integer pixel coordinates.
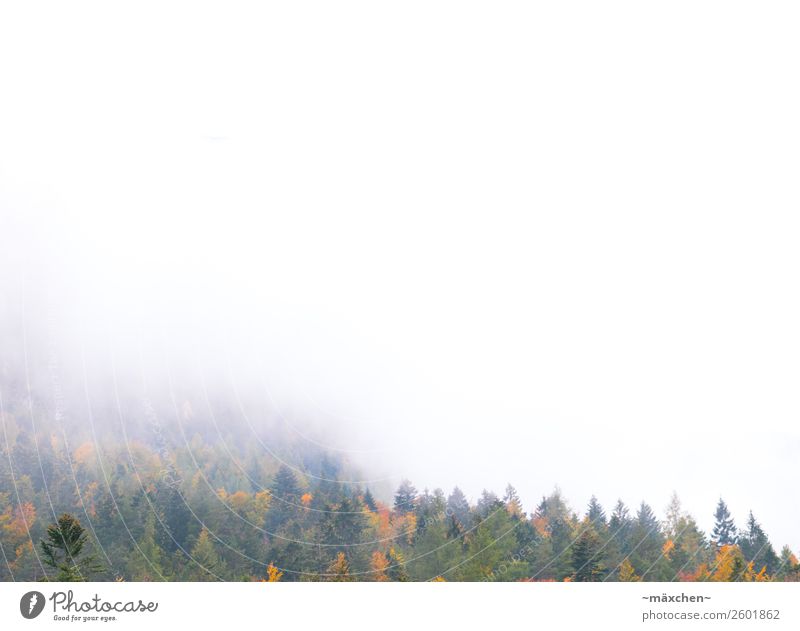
{"type": "Point", "coordinates": [458, 508]}
{"type": "Point", "coordinates": [284, 500]}
{"type": "Point", "coordinates": [205, 564]}
{"type": "Point", "coordinates": [757, 548]}
{"type": "Point", "coordinates": [595, 513]}
{"type": "Point", "coordinates": [285, 485]}
{"type": "Point", "coordinates": [405, 498]}
{"type": "Point", "coordinates": [63, 550]}
{"type": "Point", "coordinates": [586, 555]}
{"type": "Point", "coordinates": [146, 562]}
{"type": "Point", "coordinates": [724, 533]}
{"type": "Point", "coordinates": [369, 501]}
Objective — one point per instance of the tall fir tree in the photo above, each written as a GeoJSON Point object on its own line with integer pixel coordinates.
{"type": "Point", "coordinates": [405, 498]}
{"type": "Point", "coordinates": [724, 532]}
{"type": "Point", "coordinates": [63, 551]}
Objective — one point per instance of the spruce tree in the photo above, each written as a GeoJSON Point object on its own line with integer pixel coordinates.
{"type": "Point", "coordinates": [458, 507]}
{"type": "Point", "coordinates": [586, 556]}
{"type": "Point", "coordinates": [369, 501]}
{"type": "Point", "coordinates": [757, 548]}
{"type": "Point", "coordinates": [595, 513]}
{"type": "Point", "coordinates": [724, 533]}
{"type": "Point", "coordinates": [405, 498]}
{"type": "Point", "coordinates": [63, 551]}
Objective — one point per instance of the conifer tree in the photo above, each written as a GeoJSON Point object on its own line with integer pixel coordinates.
{"type": "Point", "coordinates": [756, 547]}
{"type": "Point", "coordinates": [724, 533]}
{"type": "Point", "coordinates": [458, 507]}
{"type": "Point", "coordinates": [205, 564]}
{"type": "Point", "coordinates": [586, 555]}
{"type": "Point", "coordinates": [63, 551]}
{"type": "Point", "coordinates": [146, 561]}
{"type": "Point", "coordinates": [595, 513]}
{"type": "Point", "coordinates": [369, 501]}
{"type": "Point", "coordinates": [405, 498]}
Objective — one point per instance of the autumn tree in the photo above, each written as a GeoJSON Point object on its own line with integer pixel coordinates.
{"type": "Point", "coordinates": [513, 503]}
{"type": "Point", "coordinates": [339, 569]}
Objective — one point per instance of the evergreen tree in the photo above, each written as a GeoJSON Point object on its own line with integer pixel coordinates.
{"type": "Point", "coordinates": [458, 508]}
{"type": "Point", "coordinates": [647, 554]}
{"type": "Point", "coordinates": [284, 500]}
{"type": "Point", "coordinates": [405, 498]}
{"type": "Point", "coordinates": [757, 548]}
{"type": "Point", "coordinates": [63, 551]}
{"type": "Point", "coordinates": [205, 564]}
{"type": "Point", "coordinates": [724, 533]}
{"type": "Point", "coordinates": [369, 501]}
{"type": "Point", "coordinates": [586, 555]}
{"type": "Point", "coordinates": [146, 563]}
{"type": "Point", "coordinates": [595, 513]}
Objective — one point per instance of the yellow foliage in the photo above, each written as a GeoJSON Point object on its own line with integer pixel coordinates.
{"type": "Point", "coordinates": [540, 523]}
{"type": "Point", "coordinates": [439, 579]}
{"type": "Point", "coordinates": [273, 574]}
{"type": "Point", "coordinates": [84, 453]}
{"type": "Point", "coordinates": [339, 570]}
{"type": "Point", "coordinates": [262, 501]}
{"type": "Point", "coordinates": [669, 546]}
{"type": "Point", "coordinates": [411, 526]}
{"type": "Point", "coordinates": [378, 564]}
{"type": "Point", "coordinates": [238, 501]}
{"type": "Point", "coordinates": [626, 573]}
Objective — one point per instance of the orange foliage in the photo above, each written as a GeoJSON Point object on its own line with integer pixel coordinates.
{"type": "Point", "coordinates": [540, 523]}
{"type": "Point", "coordinates": [273, 574]}
{"type": "Point", "coordinates": [306, 498]}
{"type": "Point", "coordinates": [84, 453]}
{"type": "Point", "coordinates": [669, 546]}
{"type": "Point", "coordinates": [17, 527]}
{"type": "Point", "coordinates": [379, 563]}
{"type": "Point", "coordinates": [238, 501]}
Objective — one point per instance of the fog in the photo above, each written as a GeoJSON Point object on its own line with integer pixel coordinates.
{"type": "Point", "coordinates": [475, 248]}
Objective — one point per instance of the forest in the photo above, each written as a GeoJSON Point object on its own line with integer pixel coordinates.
{"type": "Point", "coordinates": [112, 510]}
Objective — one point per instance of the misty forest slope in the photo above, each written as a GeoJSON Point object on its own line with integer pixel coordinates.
{"type": "Point", "coordinates": [163, 493]}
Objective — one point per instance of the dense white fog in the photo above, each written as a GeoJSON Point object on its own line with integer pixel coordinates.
{"type": "Point", "coordinates": [473, 260]}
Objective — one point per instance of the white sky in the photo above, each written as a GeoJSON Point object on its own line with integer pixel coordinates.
{"type": "Point", "coordinates": [497, 241]}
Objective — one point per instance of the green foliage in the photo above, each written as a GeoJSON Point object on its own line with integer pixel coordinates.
{"type": "Point", "coordinates": [202, 512]}
{"type": "Point", "coordinates": [63, 551]}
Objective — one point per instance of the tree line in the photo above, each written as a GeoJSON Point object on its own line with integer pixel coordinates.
{"type": "Point", "coordinates": [126, 510]}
